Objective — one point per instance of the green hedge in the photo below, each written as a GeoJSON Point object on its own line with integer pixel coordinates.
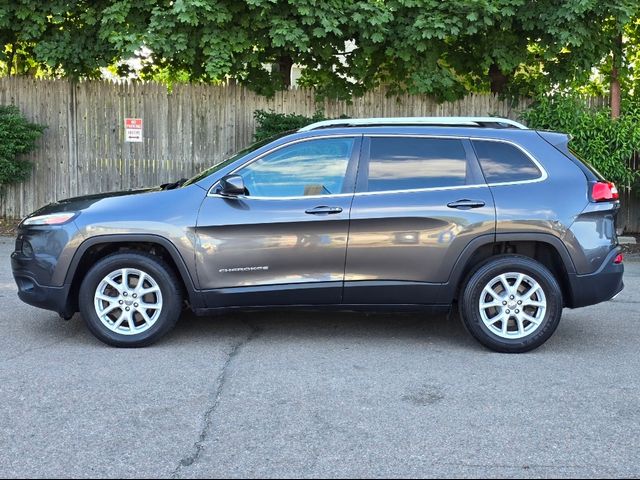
{"type": "Point", "coordinates": [271, 123]}
{"type": "Point", "coordinates": [17, 137]}
{"type": "Point", "coordinates": [607, 144]}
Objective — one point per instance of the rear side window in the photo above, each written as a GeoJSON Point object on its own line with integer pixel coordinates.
{"type": "Point", "coordinates": [403, 163]}
{"type": "Point", "coordinates": [503, 162]}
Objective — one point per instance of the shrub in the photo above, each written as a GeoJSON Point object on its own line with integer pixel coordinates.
{"type": "Point", "coordinates": [271, 123]}
{"type": "Point", "coordinates": [609, 145]}
{"type": "Point", "coordinates": [17, 137]}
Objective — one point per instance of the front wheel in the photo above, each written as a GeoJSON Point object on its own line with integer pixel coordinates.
{"type": "Point", "coordinates": [130, 299]}
{"type": "Point", "coordinates": [511, 304]}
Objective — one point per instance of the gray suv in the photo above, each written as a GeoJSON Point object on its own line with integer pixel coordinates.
{"type": "Point", "coordinates": [395, 213]}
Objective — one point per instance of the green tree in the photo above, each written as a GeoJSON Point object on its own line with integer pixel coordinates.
{"type": "Point", "coordinates": [212, 40]}
{"type": "Point", "coordinates": [504, 46]}
{"type": "Point", "coordinates": [582, 36]}
{"type": "Point", "coordinates": [345, 47]}
{"type": "Point", "coordinates": [609, 145]}
{"type": "Point", "coordinates": [17, 136]}
{"type": "Point", "coordinates": [22, 25]}
{"type": "Point", "coordinates": [62, 38]}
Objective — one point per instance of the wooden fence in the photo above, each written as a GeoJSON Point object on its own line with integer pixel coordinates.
{"type": "Point", "coordinates": [185, 130]}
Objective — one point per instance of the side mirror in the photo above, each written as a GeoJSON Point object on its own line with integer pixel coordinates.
{"type": "Point", "coordinates": [232, 186]}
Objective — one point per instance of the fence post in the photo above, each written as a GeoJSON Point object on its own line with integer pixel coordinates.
{"type": "Point", "coordinates": [73, 140]}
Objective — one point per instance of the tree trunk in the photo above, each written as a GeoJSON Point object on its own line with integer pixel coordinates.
{"type": "Point", "coordinates": [615, 94]}
{"type": "Point", "coordinates": [498, 79]}
{"type": "Point", "coordinates": [283, 67]}
{"type": "Point", "coordinates": [615, 79]}
{"type": "Point", "coordinates": [10, 59]}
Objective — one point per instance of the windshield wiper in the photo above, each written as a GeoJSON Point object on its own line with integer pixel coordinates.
{"type": "Point", "coordinates": [171, 186]}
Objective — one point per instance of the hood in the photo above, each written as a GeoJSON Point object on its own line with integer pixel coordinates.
{"type": "Point", "coordinates": [76, 204]}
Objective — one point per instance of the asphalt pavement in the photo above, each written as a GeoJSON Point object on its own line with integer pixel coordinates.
{"type": "Point", "coordinates": [299, 394]}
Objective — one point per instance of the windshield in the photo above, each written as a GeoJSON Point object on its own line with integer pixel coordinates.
{"type": "Point", "coordinates": [218, 166]}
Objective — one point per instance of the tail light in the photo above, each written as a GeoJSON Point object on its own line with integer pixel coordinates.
{"type": "Point", "coordinates": [604, 192]}
{"type": "Point", "coordinates": [619, 259]}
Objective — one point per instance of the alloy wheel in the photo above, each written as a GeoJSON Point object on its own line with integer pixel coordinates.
{"type": "Point", "coordinates": [512, 305]}
{"type": "Point", "coordinates": [128, 301]}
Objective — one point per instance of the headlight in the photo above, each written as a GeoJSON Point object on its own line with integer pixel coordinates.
{"type": "Point", "coordinates": [51, 219]}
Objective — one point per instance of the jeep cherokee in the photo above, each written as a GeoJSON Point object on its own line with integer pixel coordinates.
{"type": "Point", "coordinates": [401, 213]}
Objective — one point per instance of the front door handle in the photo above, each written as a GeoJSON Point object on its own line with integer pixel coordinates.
{"type": "Point", "coordinates": [466, 204]}
{"type": "Point", "coordinates": [323, 210]}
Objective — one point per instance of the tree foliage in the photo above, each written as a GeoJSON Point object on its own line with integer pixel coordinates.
{"type": "Point", "coordinates": [344, 46]}
{"type": "Point", "coordinates": [609, 145]}
{"type": "Point", "coordinates": [17, 136]}
{"type": "Point", "coordinates": [58, 37]}
{"type": "Point", "coordinates": [505, 46]}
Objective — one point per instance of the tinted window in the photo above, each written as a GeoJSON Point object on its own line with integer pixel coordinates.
{"type": "Point", "coordinates": [230, 160]}
{"type": "Point", "coordinates": [502, 162]}
{"type": "Point", "coordinates": [314, 167]}
{"type": "Point", "coordinates": [408, 163]}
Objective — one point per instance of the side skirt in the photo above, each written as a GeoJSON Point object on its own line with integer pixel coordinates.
{"type": "Point", "coordinates": [339, 307]}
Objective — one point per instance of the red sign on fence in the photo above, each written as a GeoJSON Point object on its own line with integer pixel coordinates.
{"type": "Point", "coordinates": [133, 130]}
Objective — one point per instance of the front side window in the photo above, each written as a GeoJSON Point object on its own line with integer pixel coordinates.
{"type": "Point", "coordinates": [312, 167]}
{"type": "Point", "coordinates": [237, 156]}
{"type": "Point", "coordinates": [502, 162]}
{"type": "Point", "coordinates": [404, 163]}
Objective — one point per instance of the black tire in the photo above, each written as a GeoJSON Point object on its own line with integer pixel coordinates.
{"type": "Point", "coordinates": [162, 274]}
{"type": "Point", "coordinates": [483, 275]}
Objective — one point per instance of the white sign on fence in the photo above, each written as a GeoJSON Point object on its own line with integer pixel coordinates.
{"type": "Point", "coordinates": [133, 130]}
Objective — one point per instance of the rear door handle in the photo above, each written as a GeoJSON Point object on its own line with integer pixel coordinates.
{"type": "Point", "coordinates": [466, 204]}
{"type": "Point", "coordinates": [323, 210]}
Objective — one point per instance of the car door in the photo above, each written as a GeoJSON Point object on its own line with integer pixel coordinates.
{"type": "Point", "coordinates": [419, 202]}
{"type": "Point", "coordinates": [284, 241]}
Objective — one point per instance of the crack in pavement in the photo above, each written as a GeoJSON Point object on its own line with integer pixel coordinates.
{"type": "Point", "coordinates": [627, 302]}
{"type": "Point", "coordinates": [530, 466]}
{"type": "Point", "coordinates": [323, 428]}
{"type": "Point", "coordinates": [220, 383]}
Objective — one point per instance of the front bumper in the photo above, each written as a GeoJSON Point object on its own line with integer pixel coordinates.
{"type": "Point", "coordinates": [597, 287]}
{"type": "Point", "coordinates": [33, 269]}
{"type": "Point", "coordinates": [41, 296]}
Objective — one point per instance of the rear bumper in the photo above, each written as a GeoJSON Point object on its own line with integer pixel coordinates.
{"type": "Point", "coordinates": [597, 287]}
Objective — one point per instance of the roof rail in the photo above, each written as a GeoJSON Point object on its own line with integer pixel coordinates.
{"type": "Point", "coordinates": [486, 122]}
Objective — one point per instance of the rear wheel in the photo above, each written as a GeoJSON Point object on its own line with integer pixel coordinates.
{"type": "Point", "coordinates": [511, 304]}
{"type": "Point", "coordinates": [130, 299]}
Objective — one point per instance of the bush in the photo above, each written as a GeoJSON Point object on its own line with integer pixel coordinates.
{"type": "Point", "coordinates": [17, 137]}
{"type": "Point", "coordinates": [609, 145]}
{"type": "Point", "coordinates": [272, 123]}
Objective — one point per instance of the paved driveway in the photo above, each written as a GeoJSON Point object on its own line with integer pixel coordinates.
{"type": "Point", "coordinates": [319, 395]}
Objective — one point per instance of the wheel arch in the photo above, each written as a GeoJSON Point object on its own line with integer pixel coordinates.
{"type": "Point", "coordinates": [97, 247]}
{"type": "Point", "coordinates": [545, 248]}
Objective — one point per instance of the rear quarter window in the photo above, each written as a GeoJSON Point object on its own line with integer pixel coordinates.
{"type": "Point", "coordinates": [502, 162]}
